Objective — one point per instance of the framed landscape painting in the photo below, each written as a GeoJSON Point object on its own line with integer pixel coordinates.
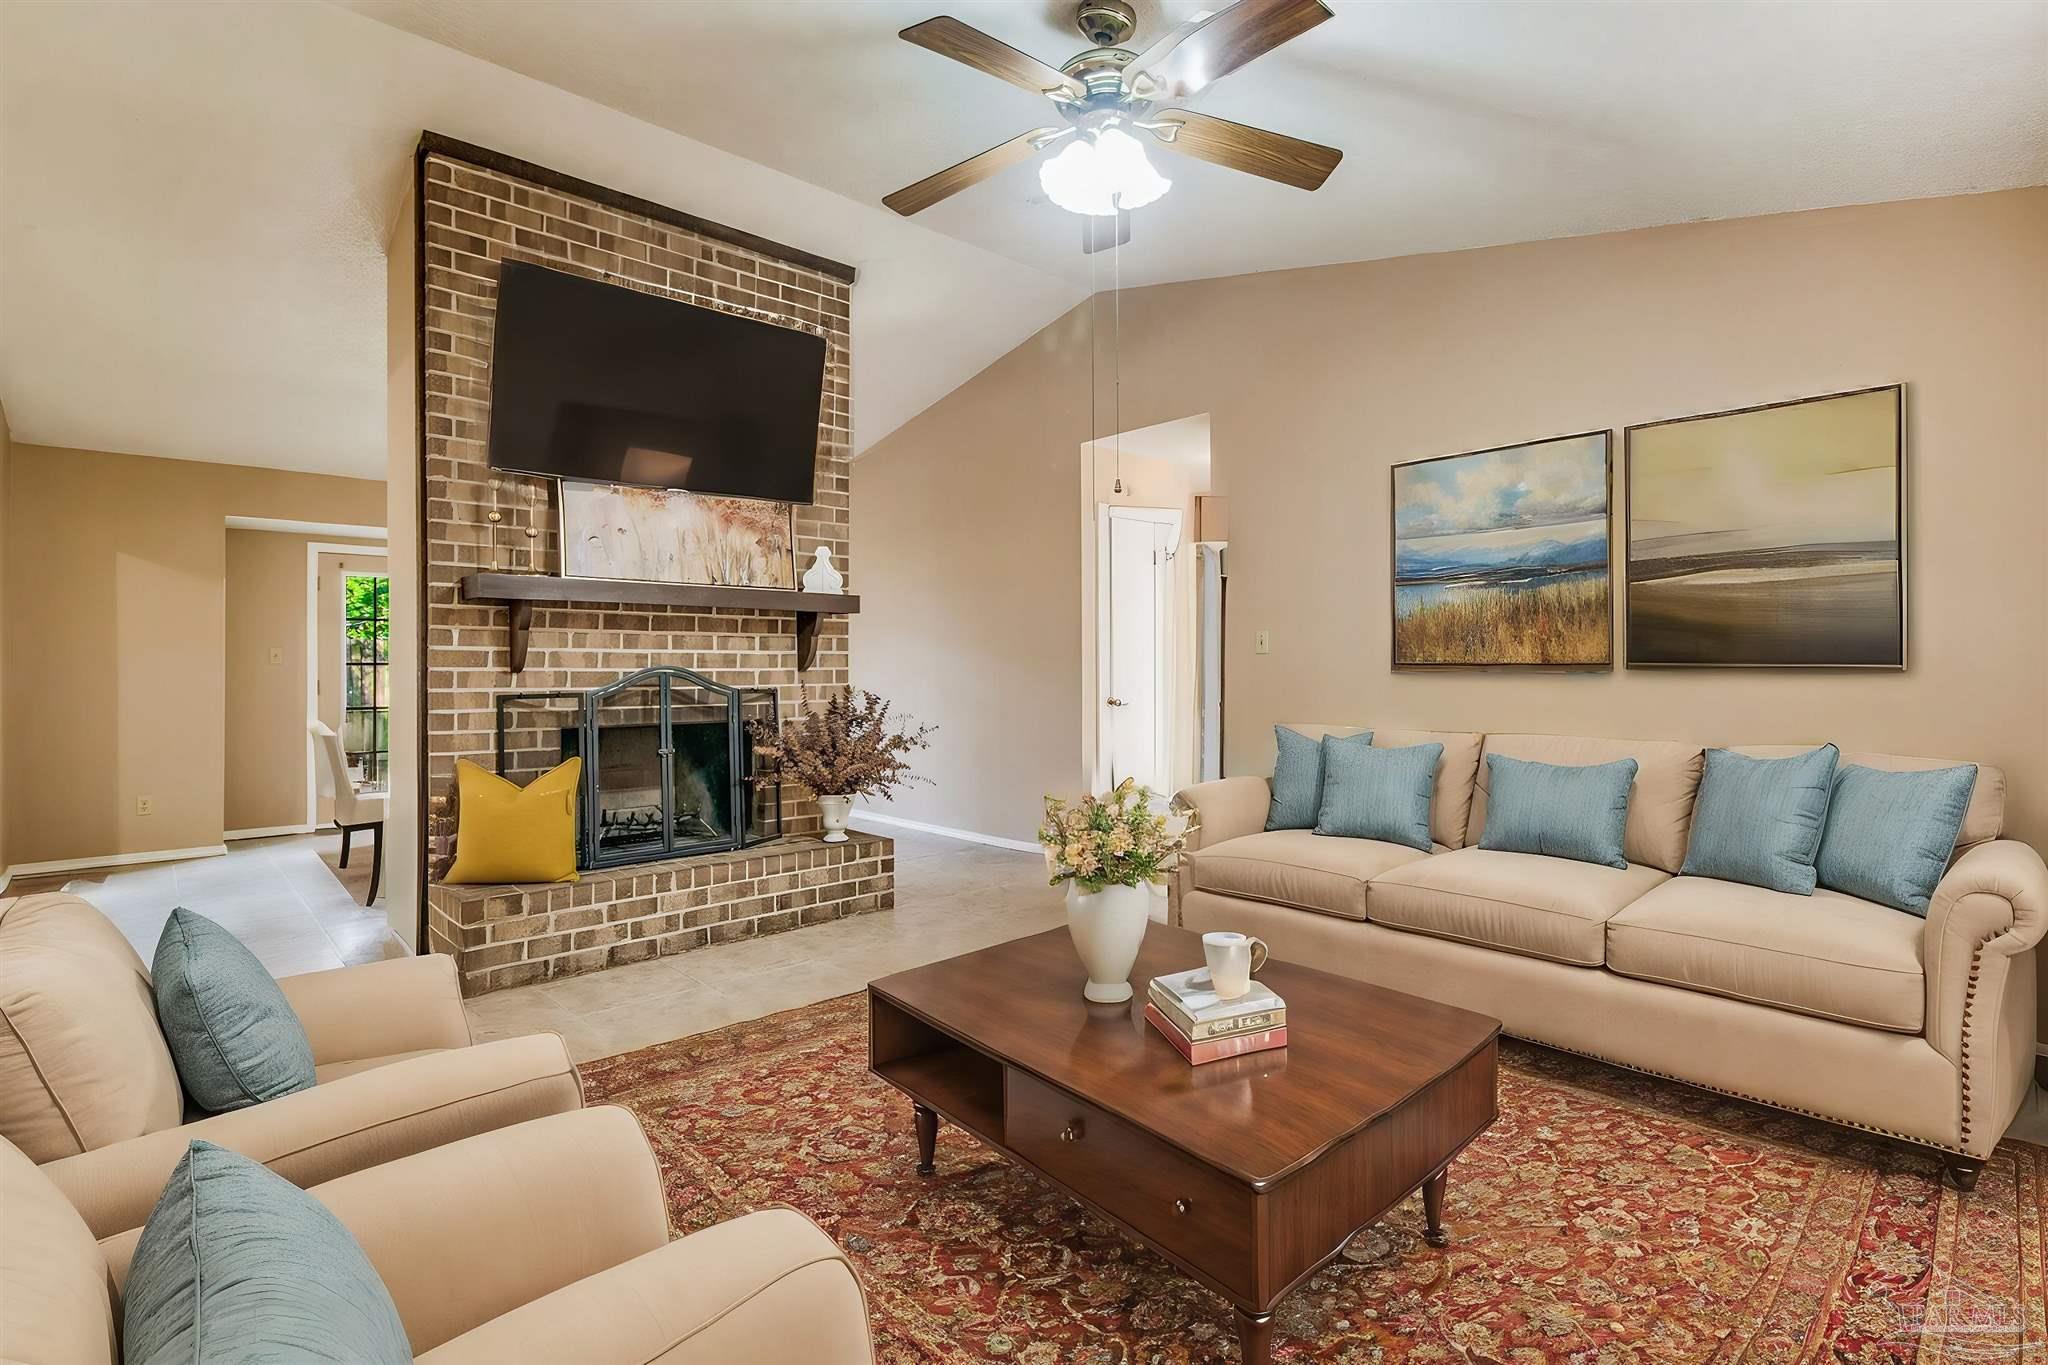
{"type": "Point", "coordinates": [1769, 536]}
{"type": "Point", "coordinates": [670, 536]}
{"type": "Point", "coordinates": [1500, 557]}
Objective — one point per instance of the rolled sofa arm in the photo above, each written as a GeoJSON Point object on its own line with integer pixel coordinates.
{"type": "Point", "coordinates": [1987, 914]}
{"type": "Point", "coordinates": [379, 1009]}
{"type": "Point", "coordinates": [769, 1287]}
{"type": "Point", "coordinates": [1226, 808]}
{"type": "Point", "coordinates": [1992, 903]}
{"type": "Point", "coordinates": [334, 1129]}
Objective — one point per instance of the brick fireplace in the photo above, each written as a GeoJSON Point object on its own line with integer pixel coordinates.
{"type": "Point", "coordinates": [478, 210]}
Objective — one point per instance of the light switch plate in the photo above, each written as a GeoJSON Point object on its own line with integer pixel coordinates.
{"type": "Point", "coordinates": [1262, 642]}
{"type": "Point", "coordinates": [276, 655]}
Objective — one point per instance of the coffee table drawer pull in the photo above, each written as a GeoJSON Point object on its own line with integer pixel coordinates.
{"type": "Point", "coordinates": [1072, 1132]}
{"type": "Point", "coordinates": [1181, 1207]}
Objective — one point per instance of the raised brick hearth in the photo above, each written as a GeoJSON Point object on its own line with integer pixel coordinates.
{"type": "Point", "coordinates": [477, 211]}
{"type": "Point", "coordinates": [515, 935]}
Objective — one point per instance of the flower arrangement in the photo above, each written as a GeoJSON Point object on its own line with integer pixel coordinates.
{"type": "Point", "coordinates": [848, 747]}
{"type": "Point", "coordinates": [1112, 840]}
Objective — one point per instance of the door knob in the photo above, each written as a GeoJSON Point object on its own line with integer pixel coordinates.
{"type": "Point", "coordinates": [1118, 701]}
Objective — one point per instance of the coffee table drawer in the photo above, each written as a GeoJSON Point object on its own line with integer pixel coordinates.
{"type": "Point", "coordinates": [1188, 1209]}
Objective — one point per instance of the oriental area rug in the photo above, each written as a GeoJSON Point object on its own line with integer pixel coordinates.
{"type": "Point", "coordinates": [1606, 1217]}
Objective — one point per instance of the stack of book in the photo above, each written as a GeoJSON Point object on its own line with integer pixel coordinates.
{"type": "Point", "coordinates": [1185, 1008]}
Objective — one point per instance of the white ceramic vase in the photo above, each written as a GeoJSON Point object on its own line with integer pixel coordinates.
{"type": "Point", "coordinates": [835, 809]}
{"type": "Point", "coordinates": [1108, 926]}
{"type": "Point", "coordinates": [821, 576]}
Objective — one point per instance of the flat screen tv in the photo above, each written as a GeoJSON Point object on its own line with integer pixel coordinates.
{"type": "Point", "coordinates": [600, 382]}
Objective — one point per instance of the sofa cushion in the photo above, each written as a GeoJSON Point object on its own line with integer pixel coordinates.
{"type": "Point", "coordinates": [1375, 793]}
{"type": "Point", "coordinates": [1659, 804]}
{"type": "Point", "coordinates": [1983, 818]}
{"type": "Point", "coordinates": [237, 1263]}
{"type": "Point", "coordinates": [54, 1304]}
{"type": "Point", "coordinates": [231, 1031]}
{"type": "Point", "coordinates": [1450, 807]}
{"type": "Point", "coordinates": [1297, 779]}
{"type": "Point", "coordinates": [1759, 820]}
{"type": "Point", "coordinates": [1828, 954]}
{"type": "Point", "coordinates": [82, 1062]}
{"type": "Point", "coordinates": [1294, 867]}
{"type": "Point", "coordinates": [1554, 908]}
{"type": "Point", "coordinates": [1889, 835]}
{"type": "Point", "coordinates": [1557, 811]}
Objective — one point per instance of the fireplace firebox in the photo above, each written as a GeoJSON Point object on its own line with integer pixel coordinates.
{"type": "Point", "coordinates": [668, 767]}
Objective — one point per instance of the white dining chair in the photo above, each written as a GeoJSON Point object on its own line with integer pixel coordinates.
{"type": "Point", "coordinates": [353, 809]}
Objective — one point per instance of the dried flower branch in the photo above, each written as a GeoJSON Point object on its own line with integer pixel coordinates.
{"type": "Point", "coordinates": [846, 748]}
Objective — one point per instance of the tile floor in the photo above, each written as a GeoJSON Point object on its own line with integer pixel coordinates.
{"type": "Point", "coordinates": [951, 897]}
{"type": "Point", "coordinates": [273, 894]}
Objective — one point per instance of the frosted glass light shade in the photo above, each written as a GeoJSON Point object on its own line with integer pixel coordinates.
{"type": "Point", "coordinates": [1097, 178]}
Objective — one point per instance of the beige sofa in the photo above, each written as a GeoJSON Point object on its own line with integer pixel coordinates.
{"type": "Point", "coordinates": [547, 1241]}
{"type": "Point", "coordinates": [87, 1086]}
{"type": "Point", "coordinates": [1827, 1005]}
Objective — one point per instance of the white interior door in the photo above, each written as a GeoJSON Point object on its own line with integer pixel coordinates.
{"type": "Point", "coordinates": [1134, 654]}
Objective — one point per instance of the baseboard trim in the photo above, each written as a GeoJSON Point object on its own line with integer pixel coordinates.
{"type": "Point", "coordinates": [270, 832]}
{"type": "Point", "coordinates": [158, 855]}
{"type": "Point", "coordinates": [944, 831]}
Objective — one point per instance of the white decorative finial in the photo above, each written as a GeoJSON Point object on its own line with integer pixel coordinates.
{"type": "Point", "coordinates": [821, 576]}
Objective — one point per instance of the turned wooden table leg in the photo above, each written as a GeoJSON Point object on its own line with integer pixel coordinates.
{"type": "Point", "coordinates": [1433, 1209]}
{"type": "Point", "coordinates": [927, 1138]}
{"type": "Point", "coordinates": [1255, 1337]}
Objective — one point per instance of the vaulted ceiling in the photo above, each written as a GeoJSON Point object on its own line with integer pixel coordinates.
{"type": "Point", "coordinates": [195, 199]}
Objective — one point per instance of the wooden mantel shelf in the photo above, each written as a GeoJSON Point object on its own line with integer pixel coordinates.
{"type": "Point", "coordinates": [520, 591]}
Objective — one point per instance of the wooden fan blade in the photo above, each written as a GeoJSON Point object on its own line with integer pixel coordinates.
{"type": "Point", "coordinates": [1289, 160]}
{"type": "Point", "coordinates": [1193, 55]}
{"type": "Point", "coordinates": [949, 37]}
{"type": "Point", "coordinates": [975, 169]}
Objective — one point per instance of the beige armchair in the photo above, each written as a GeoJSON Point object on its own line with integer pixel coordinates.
{"type": "Point", "coordinates": [543, 1241]}
{"type": "Point", "coordinates": [88, 1089]}
{"type": "Point", "coordinates": [353, 810]}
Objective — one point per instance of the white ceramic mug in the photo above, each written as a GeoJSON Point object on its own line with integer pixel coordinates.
{"type": "Point", "coordinates": [1232, 960]}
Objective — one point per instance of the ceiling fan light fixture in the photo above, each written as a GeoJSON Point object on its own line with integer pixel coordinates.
{"type": "Point", "coordinates": [1100, 174]}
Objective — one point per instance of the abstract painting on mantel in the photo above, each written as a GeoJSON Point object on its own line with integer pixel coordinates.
{"type": "Point", "coordinates": [1500, 557]}
{"type": "Point", "coordinates": [1769, 537]}
{"type": "Point", "coordinates": [668, 536]}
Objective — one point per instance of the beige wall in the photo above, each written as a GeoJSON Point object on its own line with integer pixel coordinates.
{"type": "Point", "coordinates": [116, 620]}
{"type": "Point", "coordinates": [1317, 380]}
{"type": "Point", "coordinates": [6, 451]}
{"type": "Point", "coordinates": [264, 783]}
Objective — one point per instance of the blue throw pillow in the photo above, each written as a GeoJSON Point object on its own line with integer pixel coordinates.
{"type": "Point", "coordinates": [236, 1263]}
{"type": "Point", "coordinates": [1759, 820]}
{"type": "Point", "coordinates": [1297, 780]}
{"type": "Point", "coordinates": [1889, 835]}
{"type": "Point", "coordinates": [1558, 810]}
{"type": "Point", "coordinates": [231, 1032]}
{"type": "Point", "coordinates": [1373, 793]}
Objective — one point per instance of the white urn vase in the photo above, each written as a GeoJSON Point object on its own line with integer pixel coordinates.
{"type": "Point", "coordinates": [1108, 926]}
{"type": "Point", "coordinates": [821, 576]}
{"type": "Point", "coordinates": [834, 810]}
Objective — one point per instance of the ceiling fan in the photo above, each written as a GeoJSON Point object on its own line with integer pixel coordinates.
{"type": "Point", "coordinates": [1111, 100]}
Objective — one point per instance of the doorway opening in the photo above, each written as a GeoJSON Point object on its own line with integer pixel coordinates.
{"type": "Point", "coordinates": [1151, 610]}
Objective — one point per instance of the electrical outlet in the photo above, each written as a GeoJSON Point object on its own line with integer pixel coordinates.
{"type": "Point", "coordinates": [1262, 642]}
{"type": "Point", "coordinates": [145, 805]}
{"type": "Point", "coordinates": [276, 655]}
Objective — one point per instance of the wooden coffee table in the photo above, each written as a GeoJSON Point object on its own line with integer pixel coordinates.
{"type": "Point", "coordinates": [1249, 1174]}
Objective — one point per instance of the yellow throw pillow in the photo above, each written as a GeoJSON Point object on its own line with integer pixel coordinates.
{"type": "Point", "coordinates": [507, 833]}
